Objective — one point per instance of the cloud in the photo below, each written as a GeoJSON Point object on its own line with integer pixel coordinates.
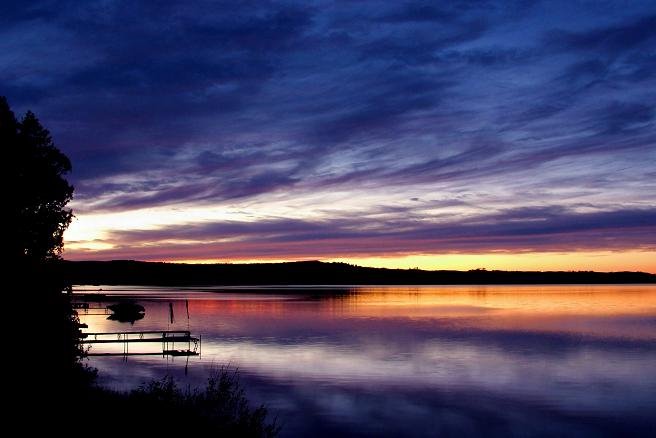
{"type": "Point", "coordinates": [212, 104]}
{"type": "Point", "coordinates": [607, 40]}
{"type": "Point", "coordinates": [534, 229]}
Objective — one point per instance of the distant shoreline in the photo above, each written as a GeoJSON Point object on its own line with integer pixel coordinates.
{"type": "Point", "coordinates": [314, 273]}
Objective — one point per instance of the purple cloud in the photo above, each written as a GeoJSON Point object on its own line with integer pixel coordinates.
{"type": "Point", "coordinates": [515, 230]}
{"type": "Point", "coordinates": [513, 104]}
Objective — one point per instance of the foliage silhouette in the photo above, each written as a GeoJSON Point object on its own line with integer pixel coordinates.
{"type": "Point", "coordinates": [163, 407]}
{"type": "Point", "coordinates": [221, 406]}
{"type": "Point", "coordinates": [37, 194]}
{"type": "Point", "coordinates": [59, 386]}
{"type": "Point", "coordinates": [40, 191]}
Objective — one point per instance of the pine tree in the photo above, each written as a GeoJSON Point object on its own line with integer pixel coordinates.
{"type": "Point", "coordinates": [37, 188]}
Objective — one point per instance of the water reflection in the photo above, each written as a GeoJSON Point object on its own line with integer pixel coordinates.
{"type": "Point", "coordinates": [567, 360]}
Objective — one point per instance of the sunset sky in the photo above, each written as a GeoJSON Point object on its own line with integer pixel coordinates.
{"type": "Point", "coordinates": [441, 135]}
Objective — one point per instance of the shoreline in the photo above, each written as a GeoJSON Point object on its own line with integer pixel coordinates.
{"type": "Point", "coordinates": [314, 274]}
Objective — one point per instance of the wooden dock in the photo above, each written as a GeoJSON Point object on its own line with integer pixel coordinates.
{"type": "Point", "coordinates": [139, 336]}
{"type": "Point", "coordinates": [167, 338]}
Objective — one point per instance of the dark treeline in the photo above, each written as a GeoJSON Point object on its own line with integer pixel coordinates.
{"type": "Point", "coordinates": [315, 273]}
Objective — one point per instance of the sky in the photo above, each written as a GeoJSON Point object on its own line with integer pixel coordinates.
{"type": "Point", "coordinates": [440, 135]}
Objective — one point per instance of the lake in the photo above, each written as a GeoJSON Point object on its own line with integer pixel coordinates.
{"type": "Point", "coordinates": [565, 360]}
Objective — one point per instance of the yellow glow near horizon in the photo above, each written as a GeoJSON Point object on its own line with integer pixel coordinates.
{"type": "Point", "coordinates": [604, 261]}
{"type": "Point", "coordinates": [540, 261]}
{"type": "Point", "coordinates": [90, 234]}
{"type": "Point", "coordinates": [89, 227]}
{"type": "Point", "coordinates": [316, 206]}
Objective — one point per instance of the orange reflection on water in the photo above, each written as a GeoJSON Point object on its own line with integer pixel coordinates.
{"type": "Point", "coordinates": [608, 310]}
{"type": "Point", "coordinates": [599, 310]}
{"type": "Point", "coordinates": [584, 299]}
{"type": "Point", "coordinates": [588, 348]}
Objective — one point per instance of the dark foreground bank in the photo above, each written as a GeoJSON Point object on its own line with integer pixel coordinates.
{"type": "Point", "coordinates": [316, 273]}
{"type": "Point", "coordinates": [164, 407]}
{"type": "Point", "coordinates": [63, 397]}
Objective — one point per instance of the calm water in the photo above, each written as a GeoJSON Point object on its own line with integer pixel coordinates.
{"type": "Point", "coordinates": [412, 361]}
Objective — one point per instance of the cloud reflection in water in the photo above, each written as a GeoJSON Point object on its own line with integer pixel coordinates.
{"type": "Point", "coordinates": [567, 360]}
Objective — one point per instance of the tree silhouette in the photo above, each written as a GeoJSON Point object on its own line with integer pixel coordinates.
{"type": "Point", "coordinates": [37, 190]}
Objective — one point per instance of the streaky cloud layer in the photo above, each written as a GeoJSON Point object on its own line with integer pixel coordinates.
{"type": "Point", "coordinates": [286, 130]}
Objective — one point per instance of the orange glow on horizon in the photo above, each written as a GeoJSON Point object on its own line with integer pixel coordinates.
{"type": "Point", "coordinates": [601, 261]}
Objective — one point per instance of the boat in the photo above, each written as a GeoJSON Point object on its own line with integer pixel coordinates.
{"type": "Point", "coordinates": [126, 306]}
{"type": "Point", "coordinates": [126, 311]}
